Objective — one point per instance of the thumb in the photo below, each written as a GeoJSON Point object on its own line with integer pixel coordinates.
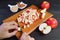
{"type": "Point", "coordinates": [12, 33]}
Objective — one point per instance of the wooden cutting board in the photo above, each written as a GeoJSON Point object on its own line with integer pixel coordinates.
{"type": "Point", "coordinates": [32, 26]}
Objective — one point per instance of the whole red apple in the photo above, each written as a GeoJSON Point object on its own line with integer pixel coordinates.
{"type": "Point", "coordinates": [45, 4]}
{"type": "Point", "coordinates": [52, 22]}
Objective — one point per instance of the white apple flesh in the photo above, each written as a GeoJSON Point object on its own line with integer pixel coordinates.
{"type": "Point", "coordinates": [43, 12]}
{"type": "Point", "coordinates": [47, 30]}
{"type": "Point", "coordinates": [19, 28]}
{"type": "Point", "coordinates": [44, 28]}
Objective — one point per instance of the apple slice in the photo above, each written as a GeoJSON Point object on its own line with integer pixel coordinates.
{"type": "Point", "coordinates": [47, 30]}
{"type": "Point", "coordinates": [44, 28]}
{"type": "Point", "coordinates": [19, 28]}
{"type": "Point", "coordinates": [43, 12]}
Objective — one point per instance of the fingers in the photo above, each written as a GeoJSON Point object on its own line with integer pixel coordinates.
{"type": "Point", "coordinates": [12, 27]}
{"type": "Point", "coordinates": [12, 33]}
{"type": "Point", "coordinates": [5, 27]}
{"type": "Point", "coordinates": [13, 23]}
{"type": "Point", "coordinates": [32, 39]}
{"type": "Point", "coordinates": [26, 37]}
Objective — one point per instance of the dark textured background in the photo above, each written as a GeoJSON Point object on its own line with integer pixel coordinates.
{"type": "Point", "coordinates": [54, 9]}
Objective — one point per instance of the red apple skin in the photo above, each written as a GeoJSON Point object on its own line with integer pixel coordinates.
{"type": "Point", "coordinates": [45, 4]}
{"type": "Point", "coordinates": [52, 22]}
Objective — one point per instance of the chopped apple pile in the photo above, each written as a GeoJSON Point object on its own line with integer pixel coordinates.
{"type": "Point", "coordinates": [28, 17]}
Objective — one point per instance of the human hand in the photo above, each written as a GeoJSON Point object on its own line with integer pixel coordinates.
{"type": "Point", "coordinates": [25, 36]}
{"type": "Point", "coordinates": [5, 27]}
